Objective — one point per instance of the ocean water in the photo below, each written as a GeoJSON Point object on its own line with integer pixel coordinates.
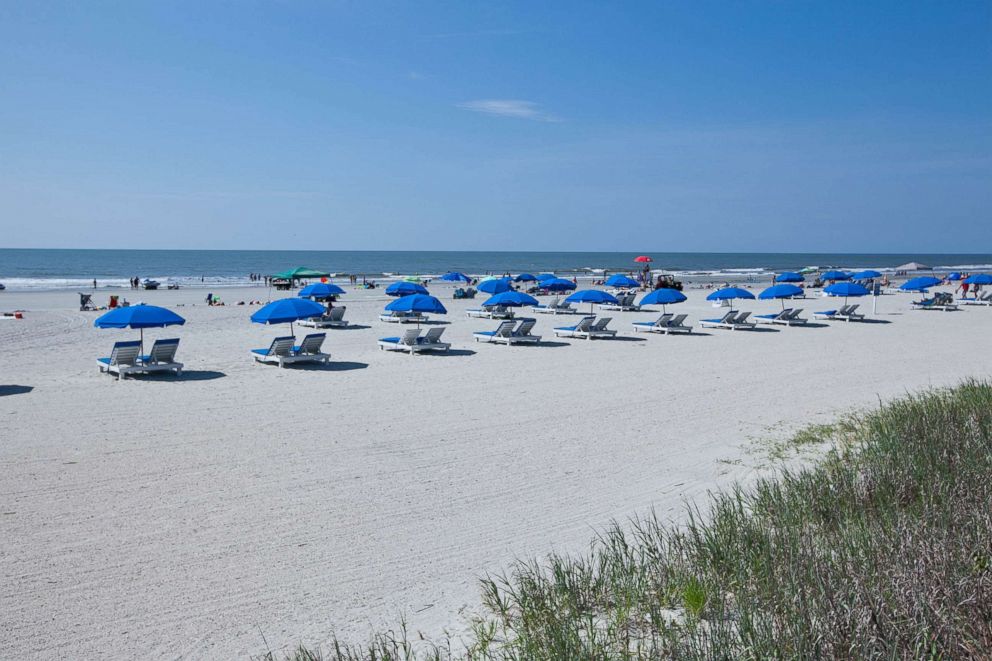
{"type": "Point", "coordinates": [32, 269]}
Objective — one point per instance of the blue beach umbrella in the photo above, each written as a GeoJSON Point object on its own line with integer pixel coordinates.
{"type": "Point", "coordinates": [545, 276]}
{"type": "Point", "coordinates": [782, 292]}
{"type": "Point", "coordinates": [511, 299]}
{"type": "Point", "coordinates": [835, 275]}
{"type": "Point", "coordinates": [140, 317]}
{"type": "Point", "coordinates": [556, 284]}
{"type": "Point", "coordinates": [954, 276]}
{"type": "Point", "coordinates": [320, 290]}
{"type": "Point", "coordinates": [455, 276]}
{"type": "Point", "coordinates": [846, 289]}
{"type": "Point", "coordinates": [417, 303]}
{"type": "Point", "coordinates": [729, 294]}
{"type": "Point", "coordinates": [591, 296]}
{"type": "Point", "coordinates": [663, 296]}
{"type": "Point", "coordinates": [789, 276]}
{"type": "Point", "coordinates": [525, 277]}
{"type": "Point", "coordinates": [286, 311]}
{"type": "Point", "coordinates": [404, 288]}
{"type": "Point", "coordinates": [979, 279]}
{"type": "Point", "coordinates": [497, 286]}
{"type": "Point", "coordinates": [921, 284]}
{"type": "Point", "coordinates": [867, 274]}
{"type": "Point", "coordinates": [621, 280]}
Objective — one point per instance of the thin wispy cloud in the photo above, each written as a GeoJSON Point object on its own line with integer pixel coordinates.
{"type": "Point", "coordinates": [515, 108]}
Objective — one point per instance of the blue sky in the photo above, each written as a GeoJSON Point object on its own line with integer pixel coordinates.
{"type": "Point", "coordinates": [695, 126]}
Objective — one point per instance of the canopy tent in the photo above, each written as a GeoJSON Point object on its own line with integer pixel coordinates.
{"type": "Point", "coordinates": [913, 266]}
{"type": "Point", "coordinates": [300, 273]}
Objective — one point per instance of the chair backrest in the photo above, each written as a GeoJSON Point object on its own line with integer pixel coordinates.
{"type": "Point", "coordinates": [852, 308]}
{"type": "Point", "coordinates": [664, 319]}
{"type": "Point", "coordinates": [525, 327]}
{"type": "Point", "coordinates": [505, 329]}
{"type": "Point", "coordinates": [125, 353]}
{"type": "Point", "coordinates": [410, 336]}
{"type": "Point", "coordinates": [784, 314]}
{"type": "Point", "coordinates": [795, 314]}
{"type": "Point", "coordinates": [601, 323]}
{"type": "Point", "coordinates": [584, 324]}
{"type": "Point", "coordinates": [163, 351]}
{"type": "Point", "coordinates": [844, 310]}
{"type": "Point", "coordinates": [677, 321]}
{"type": "Point", "coordinates": [311, 343]}
{"type": "Point", "coordinates": [728, 318]}
{"type": "Point", "coordinates": [742, 317]}
{"type": "Point", "coordinates": [336, 314]}
{"type": "Point", "coordinates": [282, 346]}
{"type": "Point", "coordinates": [433, 335]}
{"type": "Point", "coordinates": [556, 303]}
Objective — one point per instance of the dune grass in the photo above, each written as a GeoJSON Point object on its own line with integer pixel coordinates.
{"type": "Point", "coordinates": [883, 549]}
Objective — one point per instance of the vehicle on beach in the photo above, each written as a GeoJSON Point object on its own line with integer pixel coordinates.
{"type": "Point", "coordinates": [150, 284]}
{"type": "Point", "coordinates": [2, 286]}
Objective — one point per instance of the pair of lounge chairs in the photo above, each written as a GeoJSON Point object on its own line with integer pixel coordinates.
{"type": "Point", "coordinates": [942, 301]}
{"type": "Point", "coordinates": [984, 299]}
{"type": "Point", "coordinates": [126, 358]}
{"type": "Point", "coordinates": [414, 342]}
{"type": "Point", "coordinates": [284, 351]}
{"type": "Point", "coordinates": [554, 307]}
{"type": "Point", "coordinates": [492, 312]}
{"type": "Point", "coordinates": [587, 328]}
{"type": "Point", "coordinates": [666, 323]}
{"type": "Point", "coordinates": [508, 332]}
{"type": "Point", "coordinates": [730, 321]}
{"type": "Point", "coordinates": [844, 313]}
{"type": "Point", "coordinates": [333, 319]}
{"type": "Point", "coordinates": [625, 303]}
{"type": "Point", "coordinates": [787, 317]}
{"type": "Point", "coordinates": [403, 317]}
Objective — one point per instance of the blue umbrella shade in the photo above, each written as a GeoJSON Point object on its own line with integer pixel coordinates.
{"type": "Point", "coordinates": [867, 274]}
{"type": "Point", "coordinates": [404, 288]}
{"type": "Point", "coordinates": [139, 316]}
{"type": "Point", "coordinates": [546, 276]}
{"type": "Point", "coordinates": [789, 276]}
{"type": "Point", "coordinates": [320, 290]}
{"type": "Point", "coordinates": [417, 303]}
{"type": "Point", "coordinates": [921, 283]}
{"type": "Point", "coordinates": [846, 289]}
{"type": "Point", "coordinates": [525, 277]}
{"type": "Point", "coordinates": [663, 296]}
{"type": "Point", "coordinates": [781, 291]}
{"type": "Point", "coordinates": [497, 286]}
{"type": "Point", "coordinates": [835, 275]}
{"type": "Point", "coordinates": [621, 280]}
{"type": "Point", "coordinates": [979, 279]}
{"type": "Point", "coordinates": [455, 276]}
{"type": "Point", "coordinates": [955, 276]}
{"type": "Point", "coordinates": [513, 299]}
{"type": "Point", "coordinates": [591, 296]}
{"type": "Point", "coordinates": [556, 284]}
{"type": "Point", "coordinates": [287, 310]}
{"type": "Point", "coordinates": [729, 294]}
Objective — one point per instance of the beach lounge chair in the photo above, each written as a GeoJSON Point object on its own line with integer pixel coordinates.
{"type": "Point", "coordinates": [162, 357]}
{"type": "Point", "coordinates": [505, 333]}
{"type": "Point", "coordinates": [658, 325]}
{"type": "Point", "coordinates": [504, 330]}
{"type": "Point", "coordinates": [844, 313]}
{"type": "Point", "coordinates": [86, 302]}
{"type": "Point", "coordinates": [333, 319]}
{"type": "Point", "coordinates": [521, 333]}
{"type": "Point", "coordinates": [580, 329]}
{"type": "Point", "coordinates": [625, 303]}
{"type": "Point", "coordinates": [414, 343]}
{"type": "Point", "coordinates": [677, 325]}
{"type": "Point", "coordinates": [792, 319]}
{"type": "Point", "coordinates": [726, 321]}
{"type": "Point", "coordinates": [941, 301]}
{"type": "Point", "coordinates": [494, 312]}
{"type": "Point", "coordinates": [402, 317]}
{"type": "Point", "coordinates": [283, 352]}
{"type": "Point", "coordinates": [123, 359]}
{"type": "Point", "coordinates": [554, 307]}
{"type": "Point", "coordinates": [773, 318]}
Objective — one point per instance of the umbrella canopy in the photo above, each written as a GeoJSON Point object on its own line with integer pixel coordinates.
{"type": "Point", "coordinates": [954, 275]}
{"type": "Point", "coordinates": [417, 303]}
{"type": "Point", "coordinates": [525, 277]}
{"type": "Point", "coordinates": [546, 276]}
{"type": "Point", "coordinates": [729, 294]}
{"type": "Point", "coordinates": [139, 316]}
{"type": "Point", "coordinates": [512, 299]}
{"type": "Point", "coordinates": [591, 296]}
{"type": "Point", "coordinates": [300, 272]}
{"type": "Point", "coordinates": [835, 275]}
{"type": "Point", "coordinates": [922, 283]}
{"type": "Point", "coordinates": [789, 276]}
{"type": "Point", "coordinates": [913, 266]}
{"type": "Point", "coordinates": [287, 310]}
{"type": "Point", "coordinates": [455, 276]}
{"type": "Point", "coordinates": [495, 286]}
{"type": "Point", "coordinates": [621, 280]}
{"type": "Point", "coordinates": [979, 279]}
{"type": "Point", "coordinates": [557, 284]}
{"type": "Point", "coordinates": [663, 296]}
{"type": "Point", "coordinates": [867, 274]}
{"type": "Point", "coordinates": [320, 290]}
{"type": "Point", "coordinates": [643, 259]}
{"type": "Point", "coordinates": [403, 288]}
{"type": "Point", "coordinates": [846, 289]}
{"type": "Point", "coordinates": [780, 291]}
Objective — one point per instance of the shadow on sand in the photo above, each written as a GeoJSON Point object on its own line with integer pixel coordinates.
{"type": "Point", "coordinates": [15, 390]}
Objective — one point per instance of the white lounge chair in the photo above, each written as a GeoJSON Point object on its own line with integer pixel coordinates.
{"type": "Point", "coordinates": [493, 312]}
{"type": "Point", "coordinates": [844, 313]}
{"type": "Point", "coordinates": [333, 319]}
{"type": "Point", "coordinates": [282, 351]}
{"type": "Point", "coordinates": [579, 329]}
{"type": "Point", "coordinates": [402, 317]}
{"type": "Point", "coordinates": [655, 326]}
{"type": "Point", "coordinates": [162, 357]}
{"type": "Point", "coordinates": [414, 343]}
{"type": "Point", "coordinates": [625, 303]}
{"type": "Point", "coordinates": [677, 325]}
{"type": "Point", "coordinates": [773, 318]}
{"type": "Point", "coordinates": [503, 331]}
{"type": "Point", "coordinates": [123, 359]}
{"type": "Point", "coordinates": [792, 319]}
{"type": "Point", "coordinates": [522, 335]}
{"type": "Point", "coordinates": [731, 321]}
{"type": "Point", "coordinates": [554, 307]}
{"type": "Point", "coordinates": [936, 303]}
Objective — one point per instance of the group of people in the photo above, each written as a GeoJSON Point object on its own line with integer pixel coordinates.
{"type": "Point", "coordinates": [135, 282]}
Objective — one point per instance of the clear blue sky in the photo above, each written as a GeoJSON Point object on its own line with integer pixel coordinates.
{"type": "Point", "coordinates": [696, 126]}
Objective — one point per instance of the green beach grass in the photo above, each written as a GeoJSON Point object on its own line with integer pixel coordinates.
{"type": "Point", "coordinates": [881, 549]}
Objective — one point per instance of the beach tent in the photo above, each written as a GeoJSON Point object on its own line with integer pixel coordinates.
{"type": "Point", "coordinates": [592, 296]}
{"type": "Point", "coordinates": [663, 296]}
{"type": "Point", "coordinates": [139, 317]}
{"type": "Point", "coordinates": [620, 280]}
{"type": "Point", "coordinates": [913, 266]}
{"type": "Point", "coordinates": [789, 276]}
{"type": "Point", "coordinates": [495, 286]}
{"type": "Point", "coordinates": [403, 288]}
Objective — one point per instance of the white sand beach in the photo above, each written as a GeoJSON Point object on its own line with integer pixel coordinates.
{"type": "Point", "coordinates": [244, 507]}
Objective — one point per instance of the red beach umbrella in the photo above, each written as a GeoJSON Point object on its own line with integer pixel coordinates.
{"type": "Point", "coordinates": [643, 259]}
